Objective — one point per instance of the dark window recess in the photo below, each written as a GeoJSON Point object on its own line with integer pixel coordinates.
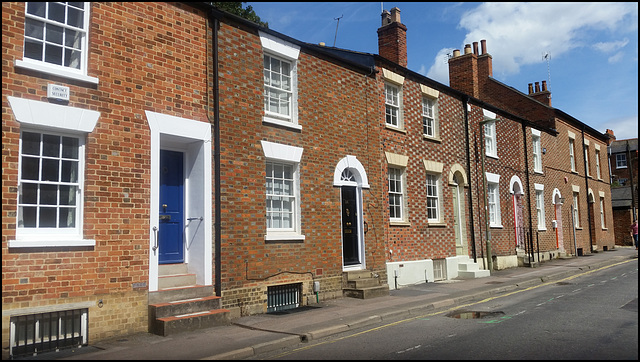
{"type": "Point", "coordinates": [283, 297]}
{"type": "Point", "coordinates": [46, 332]}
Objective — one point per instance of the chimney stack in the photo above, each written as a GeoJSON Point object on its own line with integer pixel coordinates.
{"type": "Point", "coordinates": [470, 71]}
{"type": "Point", "coordinates": [392, 37]}
{"type": "Point", "coordinates": [541, 95]}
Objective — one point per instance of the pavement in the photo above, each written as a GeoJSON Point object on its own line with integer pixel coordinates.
{"type": "Point", "coordinates": [252, 335]}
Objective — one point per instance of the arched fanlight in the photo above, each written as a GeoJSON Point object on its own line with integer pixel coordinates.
{"type": "Point", "coordinates": [347, 175]}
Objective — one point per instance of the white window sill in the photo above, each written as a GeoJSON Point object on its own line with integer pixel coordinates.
{"type": "Point", "coordinates": [431, 138]}
{"type": "Point", "coordinates": [539, 172]}
{"type": "Point", "coordinates": [279, 122]}
{"type": "Point", "coordinates": [61, 72]}
{"type": "Point", "coordinates": [496, 226]}
{"type": "Point", "coordinates": [41, 243]}
{"type": "Point", "coordinates": [399, 223]}
{"type": "Point", "coordinates": [436, 224]}
{"type": "Point", "coordinates": [395, 128]}
{"type": "Point", "coordinates": [283, 236]}
{"type": "Point", "coordinates": [492, 156]}
{"type": "Point", "coordinates": [542, 228]}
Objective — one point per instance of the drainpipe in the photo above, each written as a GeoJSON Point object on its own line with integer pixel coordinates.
{"type": "Point", "coordinates": [633, 193]}
{"type": "Point", "coordinates": [465, 104]}
{"type": "Point", "coordinates": [586, 182]}
{"type": "Point", "coordinates": [528, 188]}
{"type": "Point", "coordinates": [217, 226]}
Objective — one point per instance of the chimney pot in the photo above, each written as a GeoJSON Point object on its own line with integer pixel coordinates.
{"type": "Point", "coordinates": [530, 88]}
{"type": "Point", "coordinates": [386, 17]}
{"type": "Point", "coordinates": [537, 87]}
{"type": "Point", "coordinates": [544, 85]}
{"type": "Point", "coordinates": [456, 53]}
{"type": "Point", "coordinates": [483, 44]}
{"type": "Point", "coordinates": [395, 15]}
{"type": "Point", "coordinates": [467, 49]}
{"type": "Point", "coordinates": [475, 47]}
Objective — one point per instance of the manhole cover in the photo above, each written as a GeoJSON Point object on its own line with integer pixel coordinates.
{"type": "Point", "coordinates": [474, 314]}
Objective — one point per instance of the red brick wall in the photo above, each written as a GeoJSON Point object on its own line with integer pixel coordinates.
{"type": "Point", "coordinates": [147, 56]}
{"type": "Point", "coordinates": [336, 113]}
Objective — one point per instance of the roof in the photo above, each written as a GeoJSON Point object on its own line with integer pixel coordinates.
{"type": "Point", "coordinates": [619, 146]}
{"type": "Point", "coordinates": [621, 197]}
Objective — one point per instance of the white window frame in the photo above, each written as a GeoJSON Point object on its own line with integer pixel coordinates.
{"type": "Point", "coordinates": [572, 156]}
{"type": "Point", "coordinates": [586, 160]}
{"type": "Point", "coordinates": [284, 51]}
{"type": "Point", "coordinates": [398, 178]}
{"type": "Point", "coordinates": [43, 66]}
{"type": "Point", "coordinates": [490, 139]}
{"type": "Point", "coordinates": [47, 118]}
{"type": "Point", "coordinates": [539, 188]}
{"type": "Point", "coordinates": [434, 185]}
{"type": "Point", "coordinates": [576, 209]}
{"type": "Point", "coordinates": [393, 102]}
{"type": "Point", "coordinates": [598, 172]}
{"type": "Point", "coordinates": [493, 200]}
{"type": "Point", "coordinates": [537, 151]}
{"type": "Point", "coordinates": [290, 155]}
{"type": "Point", "coordinates": [621, 160]}
{"type": "Point", "coordinates": [430, 117]}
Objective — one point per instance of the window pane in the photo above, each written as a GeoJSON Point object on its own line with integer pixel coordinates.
{"type": "Point", "coordinates": [33, 50]}
{"type": "Point", "coordinates": [54, 34]}
{"type": "Point", "coordinates": [75, 17]}
{"type": "Point", "coordinates": [50, 170]}
{"type": "Point", "coordinates": [34, 28]}
{"type": "Point", "coordinates": [50, 145]}
{"type": "Point", "coordinates": [47, 217]}
{"type": "Point", "coordinates": [70, 147]}
{"type": "Point", "coordinates": [28, 194]}
{"type": "Point", "coordinates": [68, 195]}
{"type": "Point", "coordinates": [27, 217]}
{"type": "Point", "coordinates": [30, 168]}
{"type": "Point", "coordinates": [56, 12]}
{"type": "Point", "coordinates": [72, 58]}
{"type": "Point", "coordinates": [48, 195]}
{"type": "Point", "coordinates": [67, 218]}
{"type": "Point", "coordinates": [53, 54]}
{"type": "Point", "coordinates": [36, 8]}
{"type": "Point", "coordinates": [30, 143]}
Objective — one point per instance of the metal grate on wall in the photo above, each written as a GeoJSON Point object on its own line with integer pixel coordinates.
{"type": "Point", "coordinates": [283, 297]}
{"type": "Point", "coordinates": [45, 332]}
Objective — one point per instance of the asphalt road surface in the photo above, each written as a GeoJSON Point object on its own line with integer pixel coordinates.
{"type": "Point", "coordinates": [593, 315]}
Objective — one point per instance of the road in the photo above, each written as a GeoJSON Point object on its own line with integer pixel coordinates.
{"type": "Point", "coordinates": [593, 315]}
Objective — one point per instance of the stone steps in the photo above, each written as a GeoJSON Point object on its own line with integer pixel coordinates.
{"type": "Point", "coordinates": [182, 305]}
{"type": "Point", "coordinates": [362, 284]}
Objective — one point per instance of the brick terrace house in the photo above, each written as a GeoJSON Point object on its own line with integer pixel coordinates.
{"type": "Point", "coordinates": [567, 189]}
{"type": "Point", "coordinates": [97, 99]}
{"type": "Point", "coordinates": [623, 162]}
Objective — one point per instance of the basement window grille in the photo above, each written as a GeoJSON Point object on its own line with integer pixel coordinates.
{"type": "Point", "coordinates": [45, 332]}
{"type": "Point", "coordinates": [283, 297]}
{"type": "Point", "coordinates": [439, 269]}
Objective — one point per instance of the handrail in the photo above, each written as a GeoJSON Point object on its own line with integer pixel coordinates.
{"type": "Point", "coordinates": [155, 231]}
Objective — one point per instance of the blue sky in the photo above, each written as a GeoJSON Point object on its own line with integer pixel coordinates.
{"type": "Point", "coordinates": [592, 71]}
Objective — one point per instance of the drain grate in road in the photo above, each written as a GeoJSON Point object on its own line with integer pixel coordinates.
{"type": "Point", "coordinates": [463, 314]}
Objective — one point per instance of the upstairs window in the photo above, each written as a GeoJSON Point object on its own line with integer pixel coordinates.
{"type": "Point", "coordinates": [429, 119]}
{"type": "Point", "coordinates": [598, 174]}
{"type": "Point", "coordinates": [540, 206]}
{"type": "Point", "coordinates": [621, 160]}
{"type": "Point", "coordinates": [392, 105]}
{"type": "Point", "coordinates": [572, 156]}
{"type": "Point", "coordinates": [490, 139]}
{"type": "Point", "coordinates": [277, 86]}
{"type": "Point", "coordinates": [586, 160]}
{"type": "Point", "coordinates": [537, 153]}
{"type": "Point", "coordinates": [55, 37]}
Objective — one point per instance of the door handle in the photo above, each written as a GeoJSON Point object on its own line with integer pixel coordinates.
{"type": "Point", "coordinates": [165, 217]}
{"type": "Point", "coordinates": [155, 232]}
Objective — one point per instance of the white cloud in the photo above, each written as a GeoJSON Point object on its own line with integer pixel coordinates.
{"type": "Point", "coordinates": [439, 71]}
{"type": "Point", "coordinates": [519, 33]}
{"type": "Point", "coordinates": [616, 58]}
{"type": "Point", "coordinates": [612, 46]}
{"type": "Point", "coordinates": [623, 128]}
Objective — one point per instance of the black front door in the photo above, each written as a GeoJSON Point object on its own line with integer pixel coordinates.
{"type": "Point", "coordinates": [350, 240]}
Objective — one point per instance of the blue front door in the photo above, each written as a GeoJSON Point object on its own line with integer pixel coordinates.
{"type": "Point", "coordinates": [171, 226]}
